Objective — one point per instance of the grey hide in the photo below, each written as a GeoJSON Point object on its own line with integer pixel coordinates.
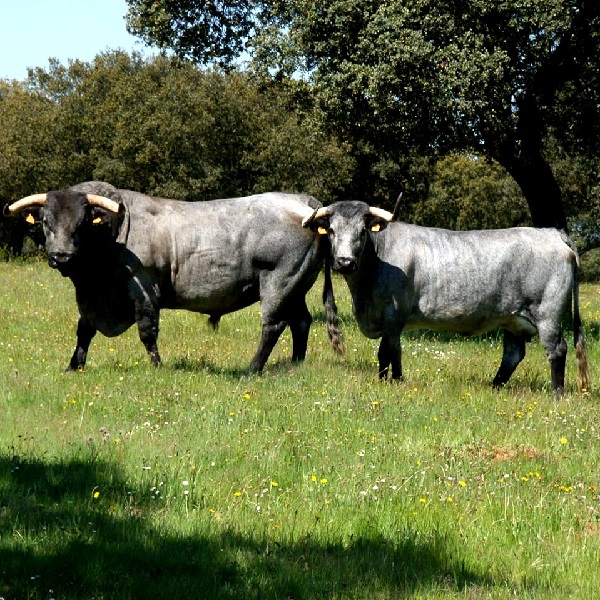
{"type": "Point", "coordinates": [211, 257]}
{"type": "Point", "coordinates": [404, 277]}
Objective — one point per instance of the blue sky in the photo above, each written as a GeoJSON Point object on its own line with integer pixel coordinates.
{"type": "Point", "coordinates": [31, 31]}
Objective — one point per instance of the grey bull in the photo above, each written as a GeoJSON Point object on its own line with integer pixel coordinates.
{"type": "Point", "coordinates": [130, 255]}
{"type": "Point", "coordinates": [404, 276]}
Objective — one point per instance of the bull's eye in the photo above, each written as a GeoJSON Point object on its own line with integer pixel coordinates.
{"type": "Point", "coordinates": [321, 230]}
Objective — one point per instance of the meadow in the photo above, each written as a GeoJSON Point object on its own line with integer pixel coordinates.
{"type": "Point", "coordinates": [310, 481]}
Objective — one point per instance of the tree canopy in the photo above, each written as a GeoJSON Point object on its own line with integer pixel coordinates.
{"type": "Point", "coordinates": [163, 127]}
{"type": "Point", "coordinates": [412, 78]}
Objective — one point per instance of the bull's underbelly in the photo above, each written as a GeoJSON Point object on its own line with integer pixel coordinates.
{"type": "Point", "coordinates": [110, 320]}
{"type": "Point", "coordinates": [375, 323]}
{"type": "Point", "coordinates": [107, 308]}
{"type": "Point", "coordinates": [475, 324]}
{"type": "Point", "coordinates": [215, 299]}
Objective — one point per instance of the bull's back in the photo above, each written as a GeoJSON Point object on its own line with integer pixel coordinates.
{"type": "Point", "coordinates": [471, 282]}
{"type": "Point", "coordinates": [207, 256]}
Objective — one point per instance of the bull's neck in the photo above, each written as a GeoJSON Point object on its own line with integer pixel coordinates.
{"type": "Point", "coordinates": [96, 264]}
{"type": "Point", "coordinates": [361, 281]}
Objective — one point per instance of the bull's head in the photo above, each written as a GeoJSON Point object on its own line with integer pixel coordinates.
{"type": "Point", "coordinates": [69, 218]}
{"type": "Point", "coordinates": [347, 225]}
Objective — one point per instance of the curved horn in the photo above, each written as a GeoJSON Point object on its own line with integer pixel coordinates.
{"type": "Point", "coordinates": [103, 202]}
{"type": "Point", "coordinates": [397, 207]}
{"type": "Point", "coordinates": [19, 205]}
{"type": "Point", "coordinates": [381, 213]}
{"type": "Point", "coordinates": [323, 211]}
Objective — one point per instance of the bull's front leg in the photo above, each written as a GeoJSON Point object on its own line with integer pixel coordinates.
{"type": "Point", "coordinates": [146, 317]}
{"type": "Point", "coordinates": [85, 332]}
{"type": "Point", "coordinates": [390, 353]}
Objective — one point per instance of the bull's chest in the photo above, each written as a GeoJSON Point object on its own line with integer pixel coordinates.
{"type": "Point", "coordinates": [368, 311]}
{"type": "Point", "coordinates": [107, 307]}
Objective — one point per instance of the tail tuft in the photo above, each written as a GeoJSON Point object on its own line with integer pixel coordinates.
{"type": "Point", "coordinates": [583, 369]}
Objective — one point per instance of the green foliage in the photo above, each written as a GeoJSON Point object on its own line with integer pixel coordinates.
{"type": "Point", "coordinates": [468, 192]}
{"type": "Point", "coordinates": [405, 79]}
{"type": "Point", "coordinates": [590, 266]}
{"type": "Point", "coordinates": [163, 127]}
{"type": "Point", "coordinates": [311, 481]}
{"type": "Point", "coordinates": [213, 31]}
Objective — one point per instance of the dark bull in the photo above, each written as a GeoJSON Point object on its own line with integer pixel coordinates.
{"type": "Point", "coordinates": [130, 255]}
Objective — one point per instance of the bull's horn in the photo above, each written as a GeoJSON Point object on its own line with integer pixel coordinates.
{"type": "Point", "coordinates": [381, 213]}
{"type": "Point", "coordinates": [323, 211]}
{"type": "Point", "coordinates": [103, 202]}
{"type": "Point", "coordinates": [19, 205]}
{"type": "Point", "coordinates": [397, 207]}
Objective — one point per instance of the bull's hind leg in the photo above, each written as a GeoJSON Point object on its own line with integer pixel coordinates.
{"type": "Point", "coordinates": [269, 337]}
{"type": "Point", "coordinates": [513, 354]}
{"type": "Point", "coordinates": [390, 353]}
{"type": "Point", "coordinates": [556, 350]}
{"type": "Point", "coordinates": [299, 320]}
{"type": "Point", "coordinates": [282, 303]}
{"type": "Point", "coordinates": [85, 332]}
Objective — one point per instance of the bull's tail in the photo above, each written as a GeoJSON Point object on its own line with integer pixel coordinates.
{"type": "Point", "coordinates": [334, 331]}
{"type": "Point", "coordinates": [583, 370]}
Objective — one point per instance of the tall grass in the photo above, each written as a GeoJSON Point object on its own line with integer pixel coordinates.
{"type": "Point", "coordinates": [310, 481]}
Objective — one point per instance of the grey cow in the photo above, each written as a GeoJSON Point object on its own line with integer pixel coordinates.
{"type": "Point", "coordinates": [130, 255]}
{"type": "Point", "coordinates": [404, 277]}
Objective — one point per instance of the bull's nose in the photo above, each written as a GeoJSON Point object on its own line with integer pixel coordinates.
{"type": "Point", "coordinates": [59, 260]}
{"type": "Point", "coordinates": [344, 265]}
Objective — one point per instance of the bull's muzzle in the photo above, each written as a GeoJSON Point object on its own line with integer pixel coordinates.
{"type": "Point", "coordinates": [345, 265]}
{"type": "Point", "coordinates": [60, 260]}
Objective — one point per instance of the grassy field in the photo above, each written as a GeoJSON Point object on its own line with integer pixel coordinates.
{"type": "Point", "coordinates": [311, 481]}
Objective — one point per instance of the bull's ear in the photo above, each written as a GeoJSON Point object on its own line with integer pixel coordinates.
{"type": "Point", "coordinates": [31, 215]}
{"type": "Point", "coordinates": [320, 226]}
{"type": "Point", "coordinates": [101, 215]}
{"type": "Point", "coordinates": [375, 224]}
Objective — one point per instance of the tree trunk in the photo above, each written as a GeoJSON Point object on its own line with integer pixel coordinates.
{"type": "Point", "coordinates": [542, 193]}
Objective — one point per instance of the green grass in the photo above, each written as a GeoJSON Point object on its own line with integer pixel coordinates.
{"type": "Point", "coordinates": [310, 481]}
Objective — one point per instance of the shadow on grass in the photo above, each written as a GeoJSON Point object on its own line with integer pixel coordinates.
{"type": "Point", "coordinates": [204, 364]}
{"type": "Point", "coordinates": [59, 540]}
